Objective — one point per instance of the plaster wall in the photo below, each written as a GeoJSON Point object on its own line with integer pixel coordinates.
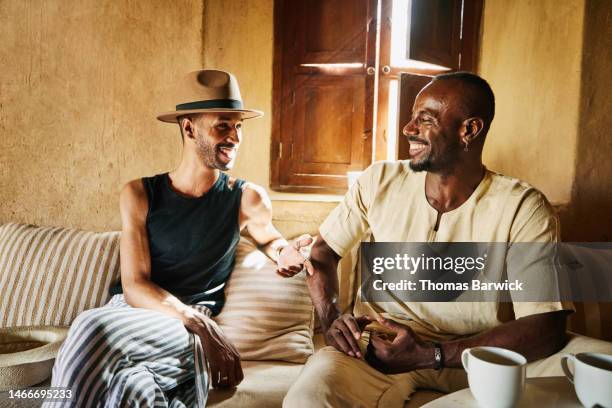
{"type": "Point", "coordinates": [531, 55]}
{"type": "Point", "coordinates": [238, 37]}
{"type": "Point", "coordinates": [588, 217]}
{"type": "Point", "coordinates": [80, 85]}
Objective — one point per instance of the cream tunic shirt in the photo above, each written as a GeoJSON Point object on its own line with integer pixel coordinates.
{"type": "Point", "coordinates": [388, 204]}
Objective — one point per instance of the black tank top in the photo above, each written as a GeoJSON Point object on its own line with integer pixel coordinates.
{"type": "Point", "coordinates": [192, 241]}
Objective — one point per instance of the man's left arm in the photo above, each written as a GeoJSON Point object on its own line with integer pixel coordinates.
{"type": "Point", "coordinates": [256, 216]}
{"type": "Point", "coordinates": [535, 336]}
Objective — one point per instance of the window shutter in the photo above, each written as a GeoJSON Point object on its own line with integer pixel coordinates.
{"type": "Point", "coordinates": [325, 119]}
{"type": "Point", "coordinates": [435, 30]}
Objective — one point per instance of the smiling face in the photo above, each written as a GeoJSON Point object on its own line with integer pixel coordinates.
{"type": "Point", "coordinates": [434, 129]}
{"type": "Point", "coordinates": [217, 137]}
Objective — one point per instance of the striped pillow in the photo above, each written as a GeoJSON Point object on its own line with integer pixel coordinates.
{"type": "Point", "coordinates": [48, 275]}
{"type": "Point", "coordinates": [265, 316]}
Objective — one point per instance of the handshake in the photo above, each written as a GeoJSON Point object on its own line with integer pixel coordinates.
{"type": "Point", "coordinates": [295, 257]}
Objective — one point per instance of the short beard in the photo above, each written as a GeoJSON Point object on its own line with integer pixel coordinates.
{"type": "Point", "coordinates": [207, 152]}
{"type": "Point", "coordinates": [424, 165]}
{"type": "Point", "coordinates": [438, 161]}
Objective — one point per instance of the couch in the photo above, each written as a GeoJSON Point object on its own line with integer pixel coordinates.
{"type": "Point", "coordinates": [48, 275]}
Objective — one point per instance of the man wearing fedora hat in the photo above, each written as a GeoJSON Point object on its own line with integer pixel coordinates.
{"type": "Point", "coordinates": [180, 231]}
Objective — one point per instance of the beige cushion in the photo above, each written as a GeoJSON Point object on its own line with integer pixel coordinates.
{"type": "Point", "coordinates": [265, 384]}
{"type": "Point", "coordinates": [68, 271]}
{"type": "Point", "coordinates": [266, 316]}
{"type": "Point", "coordinates": [53, 273]}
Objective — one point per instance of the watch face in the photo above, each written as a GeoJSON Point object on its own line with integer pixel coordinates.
{"type": "Point", "coordinates": [437, 356]}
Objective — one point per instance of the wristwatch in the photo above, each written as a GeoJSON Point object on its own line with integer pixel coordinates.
{"type": "Point", "coordinates": [438, 357]}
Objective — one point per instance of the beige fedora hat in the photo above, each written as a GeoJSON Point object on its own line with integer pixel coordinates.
{"type": "Point", "coordinates": [27, 354]}
{"type": "Point", "coordinates": [208, 90]}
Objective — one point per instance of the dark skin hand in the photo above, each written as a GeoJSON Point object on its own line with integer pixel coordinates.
{"type": "Point", "coordinates": [342, 331]}
{"type": "Point", "coordinates": [345, 332]}
{"type": "Point", "coordinates": [536, 336]}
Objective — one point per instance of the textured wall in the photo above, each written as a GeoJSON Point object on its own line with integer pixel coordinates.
{"type": "Point", "coordinates": [531, 55]}
{"type": "Point", "coordinates": [549, 65]}
{"type": "Point", "coordinates": [238, 37]}
{"type": "Point", "coordinates": [588, 217]}
{"type": "Point", "coordinates": [80, 85]}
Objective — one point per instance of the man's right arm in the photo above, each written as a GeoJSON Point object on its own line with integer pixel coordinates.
{"type": "Point", "coordinates": [323, 282]}
{"type": "Point", "coordinates": [342, 230]}
{"type": "Point", "coordinates": [140, 291]}
{"type": "Point", "coordinates": [341, 331]}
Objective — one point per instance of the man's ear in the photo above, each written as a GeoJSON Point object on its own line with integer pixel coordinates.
{"type": "Point", "coordinates": [471, 128]}
{"type": "Point", "coordinates": [187, 127]}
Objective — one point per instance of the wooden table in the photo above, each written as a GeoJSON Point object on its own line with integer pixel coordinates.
{"type": "Point", "coordinates": [555, 392]}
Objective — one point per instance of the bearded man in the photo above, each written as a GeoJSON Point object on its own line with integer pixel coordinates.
{"type": "Point", "coordinates": [155, 340]}
{"type": "Point", "coordinates": [383, 351]}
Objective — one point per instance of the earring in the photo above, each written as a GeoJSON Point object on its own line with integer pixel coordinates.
{"type": "Point", "coordinates": [465, 149]}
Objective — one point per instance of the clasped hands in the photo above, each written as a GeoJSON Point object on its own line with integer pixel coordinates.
{"type": "Point", "coordinates": [401, 353]}
{"type": "Point", "coordinates": [291, 258]}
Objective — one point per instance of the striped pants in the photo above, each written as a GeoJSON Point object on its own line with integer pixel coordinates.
{"type": "Point", "coordinates": [120, 356]}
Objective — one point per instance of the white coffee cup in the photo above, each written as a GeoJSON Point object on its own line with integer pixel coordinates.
{"type": "Point", "coordinates": [592, 377]}
{"type": "Point", "coordinates": [496, 375]}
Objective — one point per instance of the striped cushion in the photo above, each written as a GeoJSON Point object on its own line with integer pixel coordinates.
{"type": "Point", "coordinates": [265, 316]}
{"type": "Point", "coordinates": [48, 275]}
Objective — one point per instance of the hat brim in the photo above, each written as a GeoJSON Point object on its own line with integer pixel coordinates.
{"type": "Point", "coordinates": [27, 354]}
{"type": "Point", "coordinates": [170, 117]}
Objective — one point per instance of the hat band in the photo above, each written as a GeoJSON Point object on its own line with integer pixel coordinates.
{"type": "Point", "coordinates": [211, 104]}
